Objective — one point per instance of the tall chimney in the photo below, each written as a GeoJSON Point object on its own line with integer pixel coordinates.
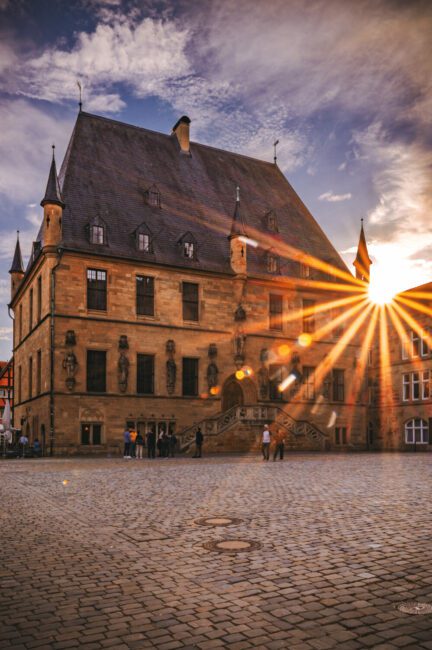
{"type": "Point", "coordinates": [181, 129]}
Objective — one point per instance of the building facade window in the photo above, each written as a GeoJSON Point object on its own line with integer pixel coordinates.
{"type": "Point", "coordinates": [144, 242]}
{"type": "Point", "coordinates": [338, 381]}
{"type": "Point", "coordinates": [190, 377]}
{"type": "Point", "coordinates": [96, 371]}
{"type": "Point", "coordinates": [309, 382]}
{"type": "Point", "coordinates": [190, 292]}
{"type": "Point", "coordinates": [416, 344]}
{"type": "Point", "coordinates": [189, 249]}
{"type": "Point", "coordinates": [39, 298]}
{"type": "Point", "coordinates": [145, 374]}
{"type": "Point", "coordinates": [275, 311]}
{"type": "Point", "coordinates": [30, 310]}
{"type": "Point", "coordinates": [39, 372]}
{"type": "Point", "coordinates": [272, 263]}
{"type": "Point", "coordinates": [305, 271]}
{"type": "Point", "coordinates": [341, 436]}
{"type": "Point", "coordinates": [91, 434]}
{"type": "Point", "coordinates": [144, 295]}
{"type": "Point", "coordinates": [416, 432]}
{"type": "Point", "coordinates": [96, 289]}
{"type": "Point", "coordinates": [20, 320]}
{"type": "Point", "coordinates": [275, 379]}
{"type": "Point", "coordinates": [308, 316]}
{"type": "Point", "coordinates": [30, 378]}
{"type": "Point", "coordinates": [19, 396]}
{"type": "Point", "coordinates": [153, 196]}
{"type": "Point", "coordinates": [416, 386]}
{"type": "Point", "coordinates": [97, 234]}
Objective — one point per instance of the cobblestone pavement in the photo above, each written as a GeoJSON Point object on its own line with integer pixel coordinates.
{"type": "Point", "coordinates": [114, 558]}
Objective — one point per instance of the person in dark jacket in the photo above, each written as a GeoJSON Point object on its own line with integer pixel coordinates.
{"type": "Point", "coordinates": [172, 442]}
{"type": "Point", "coordinates": [151, 443]}
{"type": "Point", "coordinates": [199, 438]}
{"type": "Point", "coordinates": [139, 444]}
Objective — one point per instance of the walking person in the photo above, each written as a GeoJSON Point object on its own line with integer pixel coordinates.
{"type": "Point", "coordinates": [139, 442]}
{"type": "Point", "coordinates": [151, 443]}
{"type": "Point", "coordinates": [133, 436]}
{"type": "Point", "coordinates": [199, 439]}
{"type": "Point", "coordinates": [279, 444]}
{"type": "Point", "coordinates": [265, 442]}
{"type": "Point", "coordinates": [126, 439]}
{"type": "Point", "coordinates": [23, 442]}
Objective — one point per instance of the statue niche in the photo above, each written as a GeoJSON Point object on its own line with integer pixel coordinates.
{"type": "Point", "coordinates": [70, 364]}
{"type": "Point", "coordinates": [123, 372]}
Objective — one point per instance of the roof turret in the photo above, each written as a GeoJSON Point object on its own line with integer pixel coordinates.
{"type": "Point", "coordinates": [237, 225]}
{"type": "Point", "coordinates": [52, 192]}
{"type": "Point", "coordinates": [17, 262]}
{"type": "Point", "coordinates": [362, 262]}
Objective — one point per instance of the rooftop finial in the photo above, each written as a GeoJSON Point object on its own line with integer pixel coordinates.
{"type": "Point", "coordinates": [361, 221]}
{"type": "Point", "coordinates": [53, 148]}
{"type": "Point", "coordinates": [238, 194]}
{"type": "Point", "coordinates": [275, 144]}
{"type": "Point", "coordinates": [80, 96]}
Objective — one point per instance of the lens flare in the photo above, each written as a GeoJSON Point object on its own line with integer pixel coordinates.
{"type": "Point", "coordinates": [215, 390]}
{"type": "Point", "coordinates": [283, 350]}
{"type": "Point", "coordinates": [65, 482]}
{"type": "Point", "coordinates": [286, 382]}
{"type": "Point", "coordinates": [381, 294]}
{"type": "Point", "coordinates": [240, 375]}
{"type": "Point", "coordinates": [304, 340]}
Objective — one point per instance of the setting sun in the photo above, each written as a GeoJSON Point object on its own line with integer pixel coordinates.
{"type": "Point", "coordinates": [381, 294]}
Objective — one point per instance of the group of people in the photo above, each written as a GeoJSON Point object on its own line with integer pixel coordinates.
{"type": "Point", "coordinates": [134, 443]}
{"type": "Point", "coordinates": [276, 439]}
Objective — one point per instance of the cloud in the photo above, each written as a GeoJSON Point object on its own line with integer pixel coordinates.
{"type": "Point", "coordinates": [334, 198]}
{"type": "Point", "coordinates": [6, 333]}
{"type": "Point", "coordinates": [144, 55]}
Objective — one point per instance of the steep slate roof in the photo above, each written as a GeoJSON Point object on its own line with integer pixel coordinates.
{"type": "Point", "coordinates": [109, 166]}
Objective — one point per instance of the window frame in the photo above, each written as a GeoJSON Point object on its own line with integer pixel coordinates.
{"type": "Point", "coordinates": [39, 298]}
{"type": "Point", "coordinates": [194, 381]}
{"type": "Point", "coordinates": [338, 387]}
{"type": "Point", "coordinates": [308, 321]}
{"type": "Point", "coordinates": [30, 377]}
{"type": "Point", "coordinates": [96, 375]}
{"type": "Point", "coordinates": [91, 426]}
{"type": "Point", "coordinates": [412, 426]}
{"type": "Point", "coordinates": [276, 312]}
{"type": "Point", "coordinates": [341, 436]}
{"type": "Point", "coordinates": [39, 372]}
{"type": "Point", "coordinates": [145, 300]}
{"type": "Point", "coordinates": [276, 372]}
{"type": "Point", "coordinates": [308, 373]}
{"type": "Point", "coordinates": [189, 304]}
{"type": "Point", "coordinates": [97, 234]}
{"type": "Point", "coordinates": [140, 380]}
{"type": "Point", "coordinates": [94, 293]}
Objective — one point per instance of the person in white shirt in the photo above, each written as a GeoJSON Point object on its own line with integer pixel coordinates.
{"type": "Point", "coordinates": [266, 437]}
{"type": "Point", "coordinates": [23, 442]}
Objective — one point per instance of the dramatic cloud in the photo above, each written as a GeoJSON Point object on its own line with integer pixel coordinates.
{"type": "Point", "coordinates": [6, 333]}
{"type": "Point", "coordinates": [334, 198]}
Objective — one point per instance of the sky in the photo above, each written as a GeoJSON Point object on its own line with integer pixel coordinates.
{"type": "Point", "coordinates": [344, 85]}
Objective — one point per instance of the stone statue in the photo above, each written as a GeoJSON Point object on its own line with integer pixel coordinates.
{"type": "Point", "coordinates": [239, 342]}
{"type": "Point", "coordinates": [70, 364]}
{"type": "Point", "coordinates": [171, 374]}
{"type": "Point", "coordinates": [123, 371]}
{"type": "Point", "coordinates": [212, 375]}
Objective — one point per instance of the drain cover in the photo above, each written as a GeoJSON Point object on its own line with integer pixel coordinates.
{"type": "Point", "coordinates": [413, 607]}
{"type": "Point", "coordinates": [232, 545]}
{"type": "Point", "coordinates": [218, 521]}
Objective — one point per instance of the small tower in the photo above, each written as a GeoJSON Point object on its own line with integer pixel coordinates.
{"type": "Point", "coordinates": [17, 269]}
{"type": "Point", "coordinates": [53, 205]}
{"type": "Point", "coordinates": [237, 246]}
{"type": "Point", "coordinates": [362, 261]}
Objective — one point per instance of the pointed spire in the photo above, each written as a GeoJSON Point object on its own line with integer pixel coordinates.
{"type": "Point", "coordinates": [237, 226]}
{"type": "Point", "coordinates": [17, 262]}
{"type": "Point", "coordinates": [362, 262]}
{"type": "Point", "coordinates": [52, 192]}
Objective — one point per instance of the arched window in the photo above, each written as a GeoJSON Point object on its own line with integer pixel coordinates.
{"type": "Point", "coordinates": [416, 432]}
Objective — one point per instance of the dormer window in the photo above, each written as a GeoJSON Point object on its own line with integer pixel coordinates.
{"type": "Point", "coordinates": [97, 235]}
{"type": "Point", "coordinates": [143, 238]}
{"type": "Point", "coordinates": [272, 263]}
{"type": "Point", "coordinates": [97, 231]}
{"type": "Point", "coordinates": [143, 242]}
{"type": "Point", "coordinates": [188, 246]}
{"type": "Point", "coordinates": [272, 223]}
{"type": "Point", "coordinates": [305, 271]}
{"type": "Point", "coordinates": [153, 197]}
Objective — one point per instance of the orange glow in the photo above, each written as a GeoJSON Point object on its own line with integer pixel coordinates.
{"type": "Point", "coordinates": [215, 390]}
{"type": "Point", "coordinates": [240, 375]}
{"type": "Point", "coordinates": [304, 340]}
{"type": "Point", "coordinates": [284, 350]}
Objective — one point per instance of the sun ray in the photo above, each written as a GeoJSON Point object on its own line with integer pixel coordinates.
{"type": "Point", "coordinates": [385, 381]}
{"type": "Point", "coordinates": [411, 321]}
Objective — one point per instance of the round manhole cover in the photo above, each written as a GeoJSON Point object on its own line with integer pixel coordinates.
{"type": "Point", "coordinates": [413, 607]}
{"type": "Point", "coordinates": [218, 521]}
{"type": "Point", "coordinates": [232, 545]}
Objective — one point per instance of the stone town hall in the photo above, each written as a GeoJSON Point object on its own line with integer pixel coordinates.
{"type": "Point", "coordinates": [146, 301]}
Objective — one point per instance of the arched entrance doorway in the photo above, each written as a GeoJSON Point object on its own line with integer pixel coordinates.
{"type": "Point", "coordinates": [237, 393]}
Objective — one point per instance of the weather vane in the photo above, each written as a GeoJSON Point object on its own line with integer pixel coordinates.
{"type": "Point", "coordinates": [275, 144]}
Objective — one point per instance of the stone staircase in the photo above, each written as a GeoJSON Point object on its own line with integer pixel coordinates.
{"type": "Point", "coordinates": [240, 428]}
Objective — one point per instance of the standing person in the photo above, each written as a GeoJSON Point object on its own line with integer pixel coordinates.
{"type": "Point", "coordinates": [266, 437]}
{"type": "Point", "coordinates": [172, 442]}
{"type": "Point", "coordinates": [23, 442]}
{"type": "Point", "coordinates": [199, 438]}
{"type": "Point", "coordinates": [37, 448]}
{"type": "Point", "coordinates": [133, 437]}
{"type": "Point", "coordinates": [151, 443]}
{"type": "Point", "coordinates": [139, 445]}
{"type": "Point", "coordinates": [126, 439]}
{"type": "Point", "coordinates": [279, 444]}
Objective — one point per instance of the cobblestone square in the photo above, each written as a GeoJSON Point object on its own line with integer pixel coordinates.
{"type": "Point", "coordinates": [109, 553]}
